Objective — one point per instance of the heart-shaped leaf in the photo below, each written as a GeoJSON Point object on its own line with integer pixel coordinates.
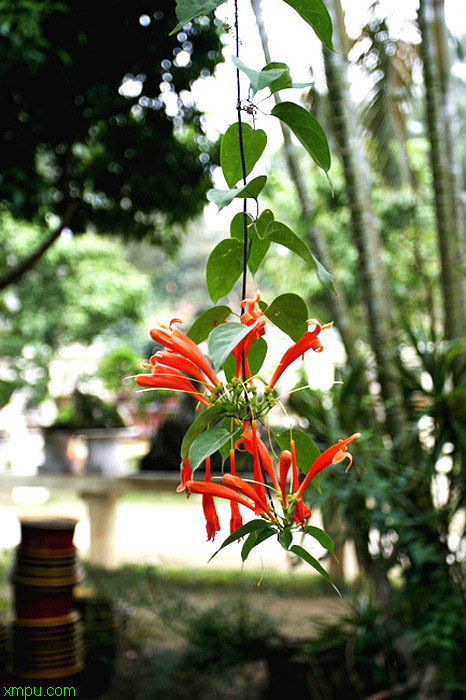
{"type": "Point", "coordinates": [258, 243]}
{"type": "Point", "coordinates": [223, 339]}
{"type": "Point", "coordinates": [258, 79]}
{"type": "Point", "coordinates": [237, 225]}
{"type": "Point", "coordinates": [256, 357]}
{"type": "Point", "coordinates": [254, 142]}
{"type": "Point", "coordinates": [224, 267]}
{"type": "Point", "coordinates": [306, 449]}
{"type": "Point", "coordinates": [222, 198]}
{"type": "Point", "coordinates": [210, 318]}
{"type": "Point", "coordinates": [289, 312]}
{"type": "Point", "coordinates": [186, 10]}
{"type": "Point", "coordinates": [284, 81]}
{"type": "Point", "coordinates": [307, 130]}
{"type": "Point", "coordinates": [261, 224]}
{"type": "Point", "coordinates": [209, 417]}
{"type": "Point", "coordinates": [207, 443]}
{"type": "Point", "coordinates": [316, 15]}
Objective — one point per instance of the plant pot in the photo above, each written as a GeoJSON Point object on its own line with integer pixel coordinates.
{"type": "Point", "coordinates": [44, 534]}
{"type": "Point", "coordinates": [55, 447]}
{"type": "Point", "coordinates": [35, 603]}
{"type": "Point", "coordinates": [104, 454]}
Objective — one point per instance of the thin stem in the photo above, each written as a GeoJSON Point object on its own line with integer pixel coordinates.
{"type": "Point", "coordinates": [243, 168]}
{"type": "Point", "coordinates": [243, 161]}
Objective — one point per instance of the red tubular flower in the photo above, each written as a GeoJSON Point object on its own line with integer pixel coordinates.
{"type": "Point", "coordinates": [332, 455]}
{"type": "Point", "coordinates": [254, 445]}
{"type": "Point", "coordinates": [236, 520]}
{"type": "Point", "coordinates": [208, 506]}
{"type": "Point", "coordinates": [175, 340]}
{"type": "Point", "coordinates": [301, 511]}
{"type": "Point", "coordinates": [266, 459]}
{"type": "Point", "coordinates": [285, 464]}
{"type": "Point", "coordinates": [251, 314]}
{"type": "Point", "coordinates": [249, 440]}
{"type": "Point", "coordinates": [186, 474]}
{"type": "Point", "coordinates": [217, 490]}
{"type": "Point", "coordinates": [309, 341]}
{"type": "Point", "coordinates": [248, 318]}
{"type": "Point", "coordinates": [232, 461]}
{"type": "Point", "coordinates": [211, 517]}
{"type": "Point", "coordinates": [168, 378]}
{"type": "Point", "coordinates": [235, 482]}
{"type": "Point", "coordinates": [168, 358]}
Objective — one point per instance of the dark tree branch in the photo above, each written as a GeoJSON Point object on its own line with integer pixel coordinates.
{"type": "Point", "coordinates": [26, 265]}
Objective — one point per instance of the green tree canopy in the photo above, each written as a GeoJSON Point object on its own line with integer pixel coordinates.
{"type": "Point", "coordinates": [84, 113]}
{"type": "Point", "coordinates": [79, 289]}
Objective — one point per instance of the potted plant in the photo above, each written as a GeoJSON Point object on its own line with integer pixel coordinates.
{"type": "Point", "coordinates": [99, 423]}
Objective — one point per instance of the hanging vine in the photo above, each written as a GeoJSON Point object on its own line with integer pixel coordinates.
{"type": "Point", "coordinates": [235, 399]}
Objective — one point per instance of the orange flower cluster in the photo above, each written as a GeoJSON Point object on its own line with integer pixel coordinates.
{"type": "Point", "coordinates": [256, 495]}
{"type": "Point", "coordinates": [182, 365]}
{"type": "Point", "coordinates": [183, 356]}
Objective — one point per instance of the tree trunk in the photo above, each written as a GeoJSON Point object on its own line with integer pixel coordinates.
{"type": "Point", "coordinates": [450, 121]}
{"type": "Point", "coordinates": [448, 210]}
{"type": "Point", "coordinates": [365, 226]}
{"type": "Point", "coordinates": [316, 240]}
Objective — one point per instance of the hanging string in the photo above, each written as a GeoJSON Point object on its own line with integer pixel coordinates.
{"type": "Point", "coordinates": [243, 165]}
{"type": "Point", "coordinates": [243, 168]}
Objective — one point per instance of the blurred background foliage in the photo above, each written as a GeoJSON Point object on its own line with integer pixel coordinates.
{"type": "Point", "coordinates": [96, 130]}
{"type": "Point", "coordinates": [82, 151]}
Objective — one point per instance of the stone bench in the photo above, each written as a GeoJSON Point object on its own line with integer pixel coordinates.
{"type": "Point", "coordinates": [101, 496]}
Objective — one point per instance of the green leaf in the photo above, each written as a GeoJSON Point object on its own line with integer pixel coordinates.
{"type": "Point", "coordinates": [256, 357]}
{"type": "Point", "coordinates": [303, 554]}
{"type": "Point", "coordinates": [321, 536]}
{"type": "Point", "coordinates": [307, 130]}
{"type": "Point", "coordinates": [261, 224]}
{"type": "Point", "coordinates": [223, 339]}
{"type": "Point", "coordinates": [306, 449]}
{"type": "Point", "coordinates": [285, 538]}
{"type": "Point", "coordinates": [316, 14]}
{"type": "Point", "coordinates": [289, 313]}
{"type": "Point", "coordinates": [202, 326]}
{"type": "Point", "coordinates": [224, 268]}
{"type": "Point", "coordinates": [254, 142]}
{"type": "Point", "coordinates": [186, 10]}
{"type": "Point", "coordinates": [258, 243]}
{"type": "Point", "coordinates": [224, 451]}
{"type": "Point", "coordinates": [254, 539]}
{"type": "Point", "coordinates": [206, 444]}
{"type": "Point", "coordinates": [258, 79]}
{"type": "Point", "coordinates": [210, 416]}
{"type": "Point", "coordinates": [257, 354]}
{"type": "Point", "coordinates": [237, 225]}
{"type": "Point", "coordinates": [222, 198]}
{"type": "Point", "coordinates": [279, 233]}
{"type": "Point", "coordinates": [284, 81]}
{"type": "Point", "coordinates": [251, 526]}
